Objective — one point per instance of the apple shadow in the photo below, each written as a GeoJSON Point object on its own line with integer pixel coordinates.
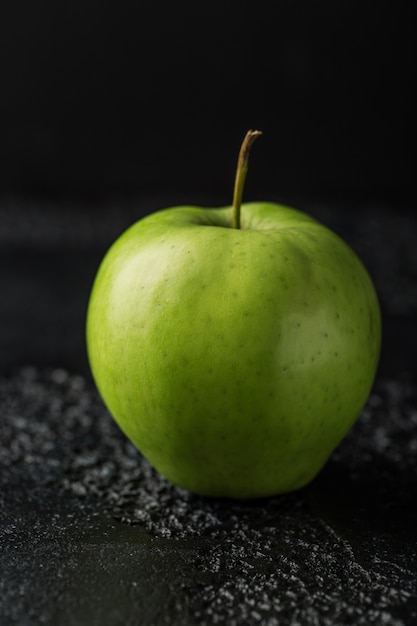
{"type": "Point", "coordinates": [378, 501]}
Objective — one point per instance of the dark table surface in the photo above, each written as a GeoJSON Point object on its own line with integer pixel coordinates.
{"type": "Point", "coordinates": [90, 534]}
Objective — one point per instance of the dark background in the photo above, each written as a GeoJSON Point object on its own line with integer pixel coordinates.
{"type": "Point", "coordinates": [109, 111]}
{"type": "Point", "coordinates": [104, 98]}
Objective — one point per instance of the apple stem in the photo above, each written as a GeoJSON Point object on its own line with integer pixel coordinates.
{"type": "Point", "coordinates": [241, 171]}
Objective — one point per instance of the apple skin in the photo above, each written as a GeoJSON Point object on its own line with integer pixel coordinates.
{"type": "Point", "coordinates": [236, 360]}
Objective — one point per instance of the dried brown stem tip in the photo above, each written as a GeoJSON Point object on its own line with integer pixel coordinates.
{"type": "Point", "coordinates": [241, 171]}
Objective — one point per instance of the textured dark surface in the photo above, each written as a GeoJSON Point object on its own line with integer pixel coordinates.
{"type": "Point", "coordinates": [90, 534]}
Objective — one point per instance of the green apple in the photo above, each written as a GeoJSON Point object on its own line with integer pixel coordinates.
{"type": "Point", "coordinates": [234, 346]}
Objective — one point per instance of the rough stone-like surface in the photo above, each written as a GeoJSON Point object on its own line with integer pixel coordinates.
{"type": "Point", "coordinates": [90, 534]}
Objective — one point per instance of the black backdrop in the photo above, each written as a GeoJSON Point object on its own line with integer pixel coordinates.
{"type": "Point", "coordinates": [108, 99]}
{"type": "Point", "coordinates": [109, 111]}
